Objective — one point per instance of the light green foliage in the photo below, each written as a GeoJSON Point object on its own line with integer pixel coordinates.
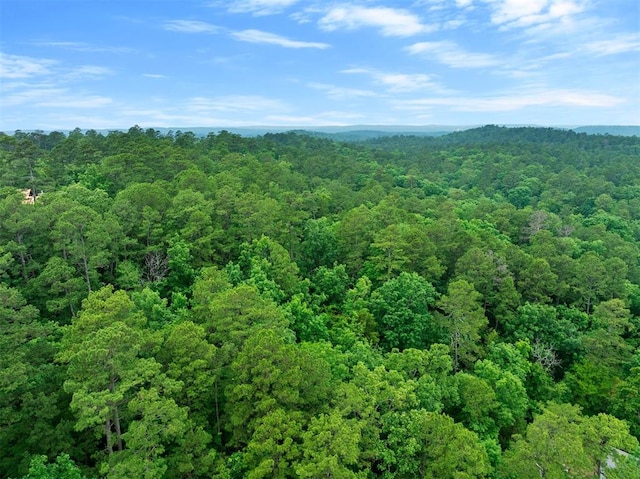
{"type": "Point", "coordinates": [233, 314]}
{"type": "Point", "coordinates": [187, 357]}
{"type": "Point", "coordinates": [62, 468]}
{"type": "Point", "coordinates": [318, 246]}
{"type": "Point", "coordinates": [476, 405]}
{"type": "Point", "coordinates": [274, 448]}
{"type": "Point", "coordinates": [269, 374]}
{"type": "Point", "coordinates": [463, 319]}
{"type": "Point", "coordinates": [431, 369]}
{"type": "Point", "coordinates": [181, 272]}
{"type": "Point", "coordinates": [626, 400]}
{"type": "Point", "coordinates": [331, 447]}
{"type": "Point", "coordinates": [265, 264]}
{"type": "Point", "coordinates": [431, 445]}
{"type": "Point", "coordinates": [304, 321]}
{"type": "Point", "coordinates": [562, 443]}
{"type": "Point", "coordinates": [111, 381]}
{"type": "Point", "coordinates": [405, 247]}
{"type": "Point", "coordinates": [511, 396]}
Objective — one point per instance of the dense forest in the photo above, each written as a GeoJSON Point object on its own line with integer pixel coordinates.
{"type": "Point", "coordinates": [175, 306]}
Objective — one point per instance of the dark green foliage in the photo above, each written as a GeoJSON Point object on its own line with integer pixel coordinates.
{"type": "Point", "coordinates": [184, 307]}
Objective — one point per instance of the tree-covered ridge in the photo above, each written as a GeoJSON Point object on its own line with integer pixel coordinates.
{"type": "Point", "coordinates": [291, 306]}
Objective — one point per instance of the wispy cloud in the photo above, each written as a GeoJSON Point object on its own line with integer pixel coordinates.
{"type": "Point", "coordinates": [16, 66]}
{"type": "Point", "coordinates": [258, 36]}
{"type": "Point", "coordinates": [259, 7]}
{"type": "Point", "coordinates": [191, 26]}
{"type": "Point", "coordinates": [527, 13]}
{"type": "Point", "coordinates": [47, 95]}
{"type": "Point", "coordinates": [233, 103]}
{"type": "Point", "coordinates": [620, 44]}
{"type": "Point", "coordinates": [340, 93]}
{"type": "Point", "coordinates": [88, 72]}
{"type": "Point", "coordinates": [399, 82]}
{"type": "Point", "coordinates": [515, 101]}
{"type": "Point", "coordinates": [390, 21]}
{"type": "Point", "coordinates": [72, 101]}
{"type": "Point", "coordinates": [153, 75]}
{"type": "Point", "coordinates": [452, 55]}
{"type": "Point", "coordinates": [84, 47]}
{"type": "Point", "coordinates": [325, 118]}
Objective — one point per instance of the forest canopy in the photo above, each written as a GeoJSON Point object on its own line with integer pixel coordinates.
{"type": "Point", "coordinates": [182, 306]}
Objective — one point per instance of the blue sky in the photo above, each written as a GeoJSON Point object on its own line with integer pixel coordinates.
{"type": "Point", "coordinates": [165, 63]}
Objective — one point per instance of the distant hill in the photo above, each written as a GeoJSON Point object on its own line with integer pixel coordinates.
{"type": "Point", "coordinates": [609, 130]}
{"type": "Point", "coordinates": [369, 132]}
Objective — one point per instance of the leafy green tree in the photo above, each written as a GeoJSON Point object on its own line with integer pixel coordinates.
{"type": "Point", "coordinates": [269, 374]}
{"type": "Point", "coordinates": [233, 315]}
{"type": "Point", "coordinates": [186, 356]}
{"type": "Point", "coordinates": [401, 307]}
{"type": "Point", "coordinates": [82, 239]}
{"type": "Point", "coordinates": [489, 274]}
{"type": "Point", "coordinates": [626, 400]}
{"type": "Point", "coordinates": [431, 445]}
{"type": "Point", "coordinates": [404, 247]}
{"type": "Point", "coordinates": [318, 246]}
{"type": "Point", "coordinates": [32, 403]}
{"type": "Point", "coordinates": [66, 288]}
{"type": "Point", "coordinates": [537, 282]}
{"type": "Point", "coordinates": [274, 449]}
{"type": "Point", "coordinates": [431, 369]}
{"type": "Point", "coordinates": [21, 236]}
{"type": "Point", "coordinates": [267, 265]}
{"type": "Point", "coordinates": [328, 287]}
{"type": "Point", "coordinates": [107, 375]}
{"type": "Point", "coordinates": [562, 443]}
{"type": "Point", "coordinates": [463, 319]}
{"type": "Point", "coordinates": [304, 321]}
{"type": "Point", "coordinates": [331, 447]}
{"type": "Point", "coordinates": [354, 234]}
{"type": "Point", "coordinates": [590, 279]}
{"type": "Point", "coordinates": [62, 468]}
{"type": "Point", "coordinates": [475, 405]}
{"type": "Point", "coordinates": [545, 325]}
{"type": "Point", "coordinates": [511, 397]}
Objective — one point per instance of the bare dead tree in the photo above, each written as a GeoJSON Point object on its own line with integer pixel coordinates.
{"type": "Point", "coordinates": [545, 356]}
{"type": "Point", "coordinates": [156, 266]}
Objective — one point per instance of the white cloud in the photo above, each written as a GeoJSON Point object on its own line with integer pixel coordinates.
{"type": "Point", "coordinates": [325, 118]}
{"type": "Point", "coordinates": [516, 101]}
{"type": "Point", "coordinates": [16, 66]}
{"type": "Point", "coordinates": [153, 75]}
{"type": "Point", "coordinates": [72, 101]}
{"type": "Point", "coordinates": [391, 21]}
{"type": "Point", "coordinates": [339, 93]}
{"type": "Point", "coordinates": [190, 26]}
{"type": "Point", "coordinates": [88, 72]}
{"type": "Point", "coordinates": [621, 44]}
{"type": "Point", "coordinates": [234, 103]}
{"type": "Point", "coordinates": [260, 7]}
{"type": "Point", "coordinates": [84, 47]}
{"type": "Point", "coordinates": [452, 55]}
{"type": "Point", "coordinates": [48, 95]}
{"type": "Point", "coordinates": [398, 82]}
{"type": "Point", "coordinates": [27, 94]}
{"type": "Point", "coordinates": [258, 36]}
{"type": "Point", "coordinates": [527, 13]}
